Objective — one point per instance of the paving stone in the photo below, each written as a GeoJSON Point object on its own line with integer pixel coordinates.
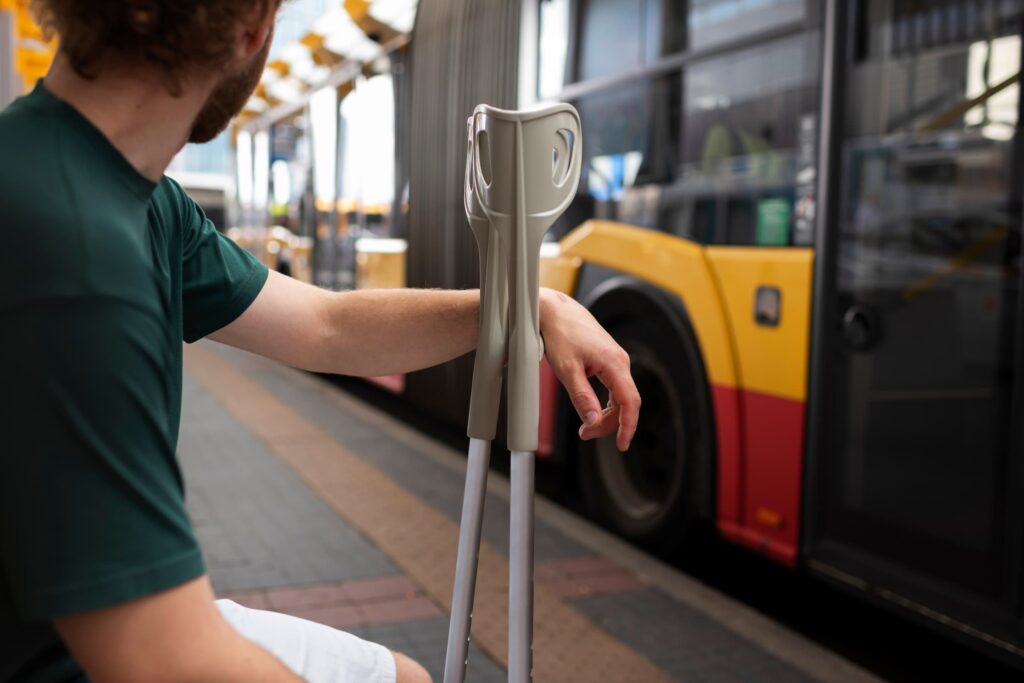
{"type": "Point", "coordinates": [425, 642]}
{"type": "Point", "coordinates": [251, 599]}
{"type": "Point", "coordinates": [397, 610]}
{"type": "Point", "coordinates": [384, 588]}
{"type": "Point", "coordinates": [582, 567]}
{"type": "Point", "coordinates": [344, 617]}
{"type": "Point", "coordinates": [585, 576]}
{"type": "Point", "coordinates": [683, 642]}
{"type": "Point", "coordinates": [259, 525]}
{"type": "Point", "coordinates": [283, 599]}
{"type": "Point", "coordinates": [437, 485]}
{"type": "Point", "coordinates": [570, 589]}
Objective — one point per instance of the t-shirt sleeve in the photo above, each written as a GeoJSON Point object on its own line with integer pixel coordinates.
{"type": "Point", "coordinates": [91, 503]}
{"type": "Point", "coordinates": [219, 279]}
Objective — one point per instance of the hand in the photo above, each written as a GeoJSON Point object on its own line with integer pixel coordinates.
{"type": "Point", "coordinates": [577, 348]}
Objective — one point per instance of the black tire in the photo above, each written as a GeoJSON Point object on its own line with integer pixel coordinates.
{"type": "Point", "coordinates": [650, 494]}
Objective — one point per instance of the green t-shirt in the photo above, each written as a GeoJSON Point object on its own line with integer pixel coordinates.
{"type": "Point", "coordinates": [102, 275]}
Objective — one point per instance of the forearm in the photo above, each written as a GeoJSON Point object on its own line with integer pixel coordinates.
{"type": "Point", "coordinates": [385, 331]}
{"type": "Point", "coordinates": [380, 332]}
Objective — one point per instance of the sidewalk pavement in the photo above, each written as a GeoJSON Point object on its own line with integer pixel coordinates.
{"type": "Point", "coordinates": [307, 501]}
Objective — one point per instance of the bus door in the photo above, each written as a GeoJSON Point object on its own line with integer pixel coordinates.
{"type": "Point", "coordinates": [915, 483]}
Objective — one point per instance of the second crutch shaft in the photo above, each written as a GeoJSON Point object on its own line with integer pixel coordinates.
{"type": "Point", "coordinates": [520, 580]}
{"type": "Point", "coordinates": [466, 562]}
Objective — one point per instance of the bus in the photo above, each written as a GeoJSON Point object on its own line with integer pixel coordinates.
{"type": "Point", "coordinates": [801, 219]}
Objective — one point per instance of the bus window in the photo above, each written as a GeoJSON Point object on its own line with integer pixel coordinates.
{"type": "Point", "coordinates": [630, 151]}
{"type": "Point", "coordinates": [745, 137]}
{"type": "Point", "coordinates": [713, 22]}
{"type": "Point", "coordinates": [612, 36]}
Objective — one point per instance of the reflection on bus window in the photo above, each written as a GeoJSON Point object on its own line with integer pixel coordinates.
{"type": "Point", "coordinates": [748, 145]}
{"type": "Point", "coordinates": [610, 174]}
{"type": "Point", "coordinates": [990, 64]}
{"type": "Point", "coordinates": [737, 166]}
{"type": "Point", "coordinates": [630, 151]}
{"type": "Point", "coordinates": [930, 241]}
{"type": "Point", "coordinates": [712, 22]}
{"type": "Point", "coordinates": [930, 121]}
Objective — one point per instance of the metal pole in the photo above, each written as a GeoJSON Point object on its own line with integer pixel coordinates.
{"type": "Point", "coordinates": [9, 80]}
{"type": "Point", "coordinates": [520, 585]}
{"type": "Point", "coordinates": [459, 627]}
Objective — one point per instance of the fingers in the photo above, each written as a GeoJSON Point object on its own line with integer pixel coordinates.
{"type": "Point", "coordinates": [623, 411]}
{"type": "Point", "coordinates": [629, 414]}
{"type": "Point", "coordinates": [582, 395]}
{"type": "Point", "coordinates": [628, 399]}
{"type": "Point", "coordinates": [608, 423]}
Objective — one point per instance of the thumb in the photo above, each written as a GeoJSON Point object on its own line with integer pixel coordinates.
{"type": "Point", "coordinates": [582, 395]}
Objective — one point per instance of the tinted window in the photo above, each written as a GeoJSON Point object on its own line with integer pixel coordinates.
{"type": "Point", "coordinates": [610, 37]}
{"type": "Point", "coordinates": [712, 22]}
{"type": "Point", "coordinates": [630, 152]}
{"type": "Point", "coordinates": [748, 138]}
{"type": "Point", "coordinates": [723, 153]}
{"type": "Point", "coordinates": [618, 35]}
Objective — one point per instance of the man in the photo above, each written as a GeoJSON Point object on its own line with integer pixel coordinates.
{"type": "Point", "coordinates": [107, 267]}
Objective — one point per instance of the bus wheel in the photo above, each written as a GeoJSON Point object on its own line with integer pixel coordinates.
{"type": "Point", "coordinates": [645, 494]}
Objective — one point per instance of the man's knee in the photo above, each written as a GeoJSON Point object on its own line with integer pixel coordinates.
{"type": "Point", "coordinates": [409, 671]}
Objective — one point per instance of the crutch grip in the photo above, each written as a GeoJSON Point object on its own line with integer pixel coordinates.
{"type": "Point", "coordinates": [485, 396]}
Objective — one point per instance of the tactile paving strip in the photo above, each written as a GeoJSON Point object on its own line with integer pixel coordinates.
{"type": "Point", "coordinates": [567, 646]}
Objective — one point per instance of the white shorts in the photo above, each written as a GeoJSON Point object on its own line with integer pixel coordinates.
{"type": "Point", "coordinates": [317, 653]}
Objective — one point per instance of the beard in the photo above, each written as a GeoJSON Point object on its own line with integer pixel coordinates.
{"type": "Point", "coordinates": [228, 98]}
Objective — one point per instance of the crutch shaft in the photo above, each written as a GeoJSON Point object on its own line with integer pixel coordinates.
{"type": "Point", "coordinates": [466, 561]}
{"type": "Point", "coordinates": [520, 602]}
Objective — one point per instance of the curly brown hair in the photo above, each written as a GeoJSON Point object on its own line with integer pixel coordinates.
{"type": "Point", "coordinates": [175, 35]}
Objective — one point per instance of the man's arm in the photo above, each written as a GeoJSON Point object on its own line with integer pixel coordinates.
{"type": "Point", "coordinates": [379, 332]}
{"type": "Point", "coordinates": [362, 333]}
{"type": "Point", "coordinates": [176, 636]}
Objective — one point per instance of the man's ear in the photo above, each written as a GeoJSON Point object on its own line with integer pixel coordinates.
{"type": "Point", "coordinates": [253, 35]}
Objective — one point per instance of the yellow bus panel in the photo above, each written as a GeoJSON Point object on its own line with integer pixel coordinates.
{"type": "Point", "coordinates": [770, 359]}
{"type": "Point", "coordinates": [673, 264]}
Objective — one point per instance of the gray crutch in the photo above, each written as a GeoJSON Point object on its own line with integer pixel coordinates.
{"type": "Point", "coordinates": [522, 170]}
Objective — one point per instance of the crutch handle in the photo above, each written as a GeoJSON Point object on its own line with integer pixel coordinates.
{"type": "Point", "coordinates": [526, 168]}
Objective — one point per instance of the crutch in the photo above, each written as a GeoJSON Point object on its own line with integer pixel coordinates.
{"type": "Point", "coordinates": [522, 170]}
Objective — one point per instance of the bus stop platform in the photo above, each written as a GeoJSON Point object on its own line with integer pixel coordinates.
{"type": "Point", "coordinates": [307, 501]}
